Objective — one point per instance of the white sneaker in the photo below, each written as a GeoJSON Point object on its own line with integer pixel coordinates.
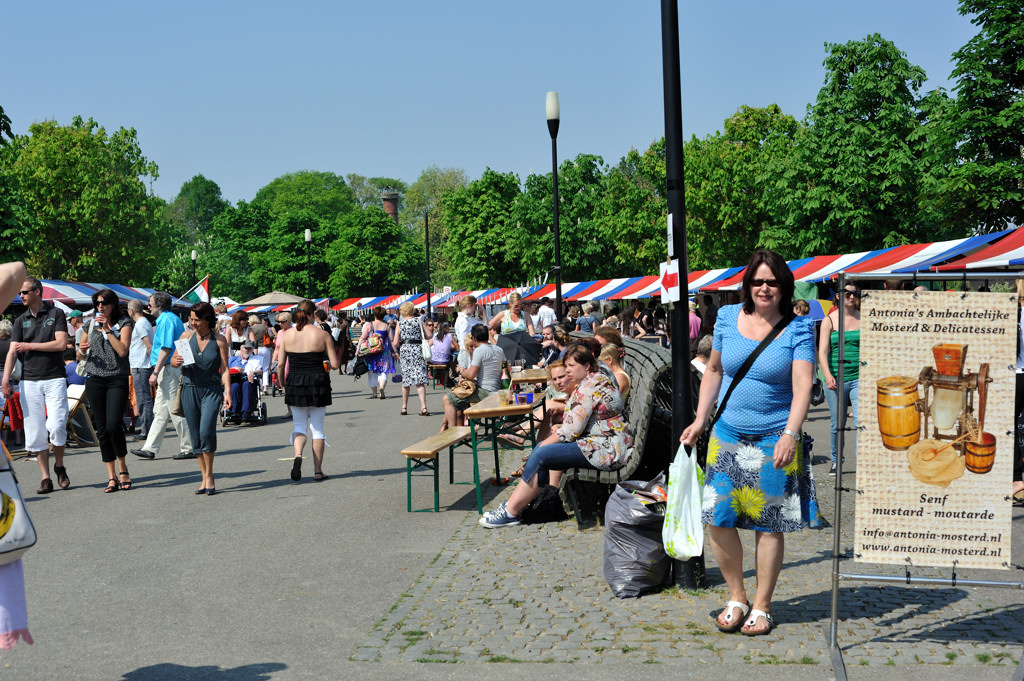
{"type": "Point", "coordinates": [499, 517]}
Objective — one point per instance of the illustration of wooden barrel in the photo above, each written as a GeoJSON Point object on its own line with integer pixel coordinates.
{"type": "Point", "coordinates": [980, 455]}
{"type": "Point", "coordinates": [899, 421]}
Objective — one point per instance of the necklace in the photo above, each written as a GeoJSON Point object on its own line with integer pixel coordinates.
{"type": "Point", "coordinates": [200, 338]}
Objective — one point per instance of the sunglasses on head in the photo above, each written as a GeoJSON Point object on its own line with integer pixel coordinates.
{"type": "Point", "coordinates": [758, 283]}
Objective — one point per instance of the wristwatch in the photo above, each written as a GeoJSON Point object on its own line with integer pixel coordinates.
{"type": "Point", "coordinates": [792, 434]}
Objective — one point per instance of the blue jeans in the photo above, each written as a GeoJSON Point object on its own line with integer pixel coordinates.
{"type": "Point", "coordinates": [556, 457]}
{"type": "Point", "coordinates": [850, 391]}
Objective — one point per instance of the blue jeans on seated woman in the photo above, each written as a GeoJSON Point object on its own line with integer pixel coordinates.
{"type": "Point", "coordinates": [850, 391]}
{"type": "Point", "coordinates": [555, 457]}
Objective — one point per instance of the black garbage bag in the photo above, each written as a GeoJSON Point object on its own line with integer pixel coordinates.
{"type": "Point", "coordinates": [634, 558]}
{"type": "Point", "coordinates": [546, 507]}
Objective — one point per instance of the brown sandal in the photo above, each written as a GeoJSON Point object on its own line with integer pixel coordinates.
{"type": "Point", "coordinates": [518, 473]}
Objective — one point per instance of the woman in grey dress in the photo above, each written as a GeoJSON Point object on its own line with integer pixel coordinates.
{"type": "Point", "coordinates": [205, 384]}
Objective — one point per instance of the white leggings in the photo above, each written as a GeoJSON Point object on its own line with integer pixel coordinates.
{"type": "Point", "coordinates": [314, 417]}
{"type": "Point", "coordinates": [377, 380]}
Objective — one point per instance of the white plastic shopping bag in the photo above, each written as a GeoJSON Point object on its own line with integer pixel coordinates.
{"type": "Point", "coordinates": [683, 533]}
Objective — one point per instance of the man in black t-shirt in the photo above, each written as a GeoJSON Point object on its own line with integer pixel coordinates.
{"type": "Point", "coordinates": [38, 339]}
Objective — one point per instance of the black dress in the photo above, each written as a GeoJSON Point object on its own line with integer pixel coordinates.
{"type": "Point", "coordinates": [307, 384]}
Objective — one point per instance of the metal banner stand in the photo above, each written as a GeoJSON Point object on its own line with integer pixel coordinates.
{"type": "Point", "coordinates": [831, 632]}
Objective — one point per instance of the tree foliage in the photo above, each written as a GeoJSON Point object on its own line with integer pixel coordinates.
{"type": "Point", "coordinates": [853, 178]}
{"type": "Point", "coordinates": [988, 120]}
{"type": "Point", "coordinates": [86, 215]}
{"type": "Point", "coordinates": [423, 196]}
{"type": "Point", "coordinates": [372, 254]}
{"type": "Point", "coordinates": [197, 203]}
{"type": "Point", "coordinates": [326, 195]}
{"type": "Point", "coordinates": [728, 189]}
{"type": "Point", "coordinates": [367, 190]}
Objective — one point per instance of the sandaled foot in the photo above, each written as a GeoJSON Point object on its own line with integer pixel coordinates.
{"type": "Point", "coordinates": [729, 620]}
{"type": "Point", "coordinates": [111, 486]}
{"type": "Point", "coordinates": [297, 469]}
{"type": "Point", "coordinates": [758, 623]}
{"type": "Point", "coordinates": [518, 473]}
{"type": "Point", "coordinates": [424, 412]}
{"type": "Point", "coordinates": [63, 481]}
{"type": "Point", "coordinates": [512, 441]}
{"type": "Point", "coordinates": [319, 477]}
{"type": "Point", "coordinates": [405, 411]}
{"type": "Point", "coordinates": [126, 481]}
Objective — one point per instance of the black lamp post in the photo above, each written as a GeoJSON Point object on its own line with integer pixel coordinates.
{"type": "Point", "coordinates": [309, 276]}
{"type": "Point", "coordinates": [426, 242]}
{"type": "Point", "coordinates": [551, 105]}
{"type": "Point", "coordinates": [195, 256]}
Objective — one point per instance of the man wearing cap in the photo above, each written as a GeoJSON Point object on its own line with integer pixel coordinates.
{"type": "Point", "coordinates": [39, 339]}
{"type": "Point", "coordinates": [165, 378]}
{"type": "Point", "coordinates": [75, 326]}
{"type": "Point", "coordinates": [248, 366]}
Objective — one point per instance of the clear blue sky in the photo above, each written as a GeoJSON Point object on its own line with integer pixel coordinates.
{"type": "Point", "coordinates": [243, 92]}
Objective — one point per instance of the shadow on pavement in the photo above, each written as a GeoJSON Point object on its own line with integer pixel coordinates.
{"type": "Point", "coordinates": [175, 672]}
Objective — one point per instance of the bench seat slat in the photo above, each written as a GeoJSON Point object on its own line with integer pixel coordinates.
{"type": "Point", "coordinates": [435, 443]}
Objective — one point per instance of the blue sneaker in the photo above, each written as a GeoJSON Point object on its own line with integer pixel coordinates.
{"type": "Point", "coordinates": [499, 517]}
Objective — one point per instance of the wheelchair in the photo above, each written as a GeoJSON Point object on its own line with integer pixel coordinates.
{"type": "Point", "coordinates": [257, 408]}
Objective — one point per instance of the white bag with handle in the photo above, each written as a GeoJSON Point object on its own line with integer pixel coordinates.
{"type": "Point", "coordinates": [17, 534]}
{"type": "Point", "coordinates": [683, 533]}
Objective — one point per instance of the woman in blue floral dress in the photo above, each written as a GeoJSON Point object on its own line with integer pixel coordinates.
{"type": "Point", "coordinates": [757, 477]}
{"type": "Point", "coordinates": [382, 364]}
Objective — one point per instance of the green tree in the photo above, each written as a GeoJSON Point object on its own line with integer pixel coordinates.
{"type": "Point", "coordinates": [372, 255]}
{"type": "Point", "coordinates": [5, 127]}
{"type": "Point", "coordinates": [425, 194]}
{"type": "Point", "coordinates": [852, 180]}
{"type": "Point", "coordinates": [633, 217]}
{"type": "Point", "coordinates": [195, 206]}
{"type": "Point", "coordinates": [226, 251]}
{"type": "Point", "coordinates": [988, 122]}
{"type": "Point", "coordinates": [326, 195]}
{"type": "Point", "coordinates": [728, 187]}
{"type": "Point", "coordinates": [281, 264]}
{"type": "Point", "coordinates": [584, 250]}
{"type": "Point", "coordinates": [14, 239]}
{"type": "Point", "coordinates": [480, 231]}
{"type": "Point", "coordinates": [87, 212]}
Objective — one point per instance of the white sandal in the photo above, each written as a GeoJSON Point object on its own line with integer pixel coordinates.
{"type": "Point", "coordinates": [752, 622]}
{"type": "Point", "coordinates": [731, 624]}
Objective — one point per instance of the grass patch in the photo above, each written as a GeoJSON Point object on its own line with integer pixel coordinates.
{"type": "Point", "coordinates": [889, 662]}
{"type": "Point", "coordinates": [558, 588]}
{"type": "Point", "coordinates": [651, 661]}
{"type": "Point", "coordinates": [983, 658]}
{"type": "Point", "coordinates": [513, 602]}
{"type": "Point", "coordinates": [696, 629]}
{"type": "Point", "coordinates": [436, 659]}
{"type": "Point", "coordinates": [629, 649]}
{"type": "Point", "coordinates": [863, 662]}
{"type": "Point", "coordinates": [774, 659]}
{"type": "Point", "coordinates": [503, 658]}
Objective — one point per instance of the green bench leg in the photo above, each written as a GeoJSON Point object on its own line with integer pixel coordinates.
{"type": "Point", "coordinates": [413, 464]}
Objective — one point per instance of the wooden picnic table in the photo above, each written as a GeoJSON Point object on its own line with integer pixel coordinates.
{"type": "Point", "coordinates": [495, 419]}
{"type": "Point", "coordinates": [530, 376]}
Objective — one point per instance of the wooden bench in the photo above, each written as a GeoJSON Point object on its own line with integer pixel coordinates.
{"type": "Point", "coordinates": [438, 374]}
{"type": "Point", "coordinates": [650, 370]}
{"type": "Point", "coordinates": [423, 455]}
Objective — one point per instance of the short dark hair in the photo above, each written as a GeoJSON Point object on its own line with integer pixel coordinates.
{"type": "Point", "coordinates": [481, 333]}
{"type": "Point", "coordinates": [581, 354]}
{"type": "Point", "coordinates": [781, 272]}
{"type": "Point", "coordinates": [161, 300]}
{"type": "Point", "coordinates": [203, 310]}
{"type": "Point", "coordinates": [34, 284]}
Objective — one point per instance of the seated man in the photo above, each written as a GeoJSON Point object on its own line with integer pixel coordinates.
{"type": "Point", "coordinates": [71, 368]}
{"type": "Point", "coordinates": [485, 369]}
{"type": "Point", "coordinates": [247, 366]}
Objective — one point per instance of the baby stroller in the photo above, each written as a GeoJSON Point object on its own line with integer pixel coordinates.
{"type": "Point", "coordinates": [257, 412]}
{"type": "Point", "coordinates": [275, 382]}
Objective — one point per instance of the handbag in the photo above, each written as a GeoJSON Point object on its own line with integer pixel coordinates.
{"type": "Point", "coordinates": [17, 534]}
{"type": "Point", "coordinates": [82, 369]}
{"type": "Point", "coordinates": [176, 408]}
{"type": "Point", "coordinates": [464, 388]}
{"type": "Point", "coordinates": [16, 371]}
{"type": "Point", "coordinates": [683, 532]}
{"type": "Point", "coordinates": [425, 346]}
{"type": "Point", "coordinates": [371, 345]}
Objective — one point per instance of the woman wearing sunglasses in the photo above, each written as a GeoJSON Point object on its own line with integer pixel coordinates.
{"type": "Point", "coordinates": [757, 476]}
{"type": "Point", "coordinates": [828, 356]}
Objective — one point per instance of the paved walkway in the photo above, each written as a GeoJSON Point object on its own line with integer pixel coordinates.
{"type": "Point", "coordinates": [271, 580]}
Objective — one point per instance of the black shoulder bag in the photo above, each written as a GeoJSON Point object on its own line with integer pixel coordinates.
{"type": "Point", "coordinates": [705, 437]}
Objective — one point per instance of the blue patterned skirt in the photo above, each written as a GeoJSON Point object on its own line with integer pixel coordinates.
{"type": "Point", "coordinates": [743, 489]}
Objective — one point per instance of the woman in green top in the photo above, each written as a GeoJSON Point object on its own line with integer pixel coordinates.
{"type": "Point", "coordinates": [828, 358]}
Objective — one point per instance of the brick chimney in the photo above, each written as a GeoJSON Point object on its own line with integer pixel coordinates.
{"type": "Point", "coordinates": [390, 199]}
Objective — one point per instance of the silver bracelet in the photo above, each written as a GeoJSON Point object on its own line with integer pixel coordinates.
{"type": "Point", "coordinates": [789, 432]}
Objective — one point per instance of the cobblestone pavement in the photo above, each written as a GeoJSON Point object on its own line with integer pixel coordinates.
{"type": "Point", "coordinates": [537, 593]}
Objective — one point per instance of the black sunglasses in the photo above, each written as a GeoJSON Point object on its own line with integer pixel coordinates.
{"type": "Point", "coordinates": [758, 283]}
{"type": "Point", "coordinates": [852, 294]}
{"type": "Point", "coordinates": [25, 293]}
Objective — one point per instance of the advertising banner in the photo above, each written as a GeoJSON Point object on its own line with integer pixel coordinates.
{"type": "Point", "coordinates": [936, 428]}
